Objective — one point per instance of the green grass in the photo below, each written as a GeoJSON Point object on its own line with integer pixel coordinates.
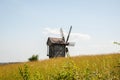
{"type": "Point", "coordinates": [98, 67]}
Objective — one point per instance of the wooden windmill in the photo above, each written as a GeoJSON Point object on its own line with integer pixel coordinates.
{"type": "Point", "coordinates": [57, 47]}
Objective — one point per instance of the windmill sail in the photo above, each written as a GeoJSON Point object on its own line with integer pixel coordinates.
{"type": "Point", "coordinates": [62, 35]}
{"type": "Point", "coordinates": [71, 43]}
{"type": "Point", "coordinates": [68, 34]}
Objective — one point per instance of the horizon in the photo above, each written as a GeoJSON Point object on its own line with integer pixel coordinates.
{"type": "Point", "coordinates": [103, 54]}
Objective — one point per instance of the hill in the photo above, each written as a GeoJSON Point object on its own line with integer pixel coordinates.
{"type": "Point", "coordinates": [97, 67]}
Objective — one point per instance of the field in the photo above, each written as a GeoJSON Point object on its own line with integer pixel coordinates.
{"type": "Point", "coordinates": [98, 67]}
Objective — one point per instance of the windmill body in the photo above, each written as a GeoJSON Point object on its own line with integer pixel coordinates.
{"type": "Point", "coordinates": [56, 47]}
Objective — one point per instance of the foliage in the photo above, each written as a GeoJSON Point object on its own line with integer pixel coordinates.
{"type": "Point", "coordinates": [116, 43]}
{"type": "Point", "coordinates": [33, 58]}
{"type": "Point", "coordinates": [25, 74]}
{"type": "Point", "coordinates": [69, 71]}
{"type": "Point", "coordinates": [103, 67]}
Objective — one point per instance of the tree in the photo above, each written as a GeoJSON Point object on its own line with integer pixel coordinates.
{"type": "Point", "coordinates": [116, 43]}
{"type": "Point", "coordinates": [33, 58]}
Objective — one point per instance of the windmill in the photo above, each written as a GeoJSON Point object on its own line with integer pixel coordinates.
{"type": "Point", "coordinates": [57, 47]}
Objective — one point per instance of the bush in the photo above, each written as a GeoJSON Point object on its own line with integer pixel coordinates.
{"type": "Point", "coordinates": [24, 72]}
{"type": "Point", "coordinates": [69, 71]}
{"type": "Point", "coordinates": [116, 43]}
{"type": "Point", "coordinates": [33, 58]}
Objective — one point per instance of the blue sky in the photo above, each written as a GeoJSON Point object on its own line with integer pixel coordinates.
{"type": "Point", "coordinates": [26, 24]}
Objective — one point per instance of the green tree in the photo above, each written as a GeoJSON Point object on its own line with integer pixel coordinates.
{"type": "Point", "coordinates": [33, 58]}
{"type": "Point", "coordinates": [116, 43]}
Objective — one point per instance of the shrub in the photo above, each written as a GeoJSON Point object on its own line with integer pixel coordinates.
{"type": "Point", "coordinates": [27, 74]}
{"type": "Point", "coordinates": [116, 43]}
{"type": "Point", "coordinates": [69, 71]}
{"type": "Point", "coordinates": [24, 72]}
{"type": "Point", "coordinates": [33, 58]}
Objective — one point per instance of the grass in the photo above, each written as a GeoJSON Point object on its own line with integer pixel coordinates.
{"type": "Point", "coordinates": [98, 67]}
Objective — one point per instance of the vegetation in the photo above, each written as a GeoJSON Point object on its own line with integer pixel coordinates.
{"type": "Point", "coordinates": [116, 43]}
{"type": "Point", "coordinates": [33, 58]}
{"type": "Point", "coordinates": [102, 67]}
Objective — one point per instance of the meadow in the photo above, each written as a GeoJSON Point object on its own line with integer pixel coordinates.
{"type": "Point", "coordinates": [94, 67]}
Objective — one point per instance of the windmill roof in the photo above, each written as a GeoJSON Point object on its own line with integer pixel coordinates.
{"type": "Point", "coordinates": [55, 41]}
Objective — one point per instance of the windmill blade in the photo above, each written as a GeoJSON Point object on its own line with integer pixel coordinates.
{"type": "Point", "coordinates": [69, 34]}
{"type": "Point", "coordinates": [62, 35]}
{"type": "Point", "coordinates": [47, 50]}
{"type": "Point", "coordinates": [71, 44]}
{"type": "Point", "coordinates": [67, 52]}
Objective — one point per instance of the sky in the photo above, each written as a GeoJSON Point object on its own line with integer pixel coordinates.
{"type": "Point", "coordinates": [25, 26]}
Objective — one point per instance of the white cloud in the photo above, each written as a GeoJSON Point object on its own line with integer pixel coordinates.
{"type": "Point", "coordinates": [55, 32]}
{"type": "Point", "coordinates": [51, 31]}
{"type": "Point", "coordinates": [81, 36]}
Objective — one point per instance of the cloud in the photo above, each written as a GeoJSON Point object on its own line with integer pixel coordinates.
{"type": "Point", "coordinates": [51, 31]}
{"type": "Point", "coordinates": [81, 36]}
{"type": "Point", "coordinates": [54, 32]}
